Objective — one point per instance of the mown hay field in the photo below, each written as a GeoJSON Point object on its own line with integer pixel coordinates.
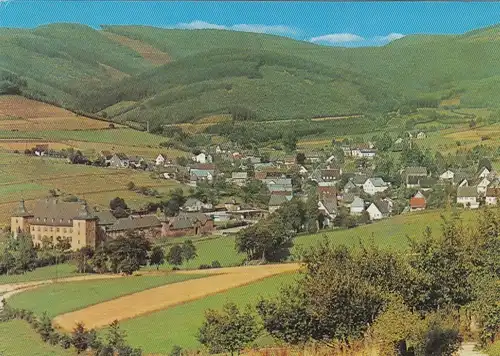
{"type": "Point", "coordinates": [151, 300]}
{"type": "Point", "coordinates": [71, 296]}
{"type": "Point", "coordinates": [21, 114]}
{"type": "Point", "coordinates": [158, 332]}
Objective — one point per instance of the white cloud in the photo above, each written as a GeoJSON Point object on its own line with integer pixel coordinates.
{"type": "Point", "coordinates": [258, 28]}
{"type": "Point", "coordinates": [198, 25]}
{"type": "Point", "coordinates": [264, 29]}
{"type": "Point", "coordinates": [390, 37]}
{"type": "Point", "coordinates": [338, 38]}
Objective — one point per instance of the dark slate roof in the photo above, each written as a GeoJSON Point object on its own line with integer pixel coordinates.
{"type": "Point", "coordinates": [187, 220]}
{"type": "Point", "coordinates": [428, 182]}
{"type": "Point", "coordinates": [21, 211]}
{"type": "Point", "coordinates": [59, 213]}
{"type": "Point", "coordinates": [382, 206]}
{"type": "Point", "coordinates": [277, 200]}
{"type": "Point", "coordinates": [463, 192]}
{"type": "Point", "coordinates": [330, 205]}
{"type": "Point", "coordinates": [105, 218]}
{"type": "Point", "coordinates": [359, 179]}
{"type": "Point", "coordinates": [135, 223]}
{"type": "Point", "coordinates": [416, 171]}
{"type": "Point", "coordinates": [122, 156]}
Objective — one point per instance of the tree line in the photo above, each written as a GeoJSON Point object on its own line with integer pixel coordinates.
{"type": "Point", "coordinates": [416, 303]}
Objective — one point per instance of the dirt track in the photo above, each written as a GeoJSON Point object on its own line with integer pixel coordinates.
{"type": "Point", "coordinates": [163, 297]}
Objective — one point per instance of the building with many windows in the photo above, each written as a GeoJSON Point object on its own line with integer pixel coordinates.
{"type": "Point", "coordinates": [53, 219]}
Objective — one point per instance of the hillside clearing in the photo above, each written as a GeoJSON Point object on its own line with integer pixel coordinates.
{"type": "Point", "coordinates": [159, 298]}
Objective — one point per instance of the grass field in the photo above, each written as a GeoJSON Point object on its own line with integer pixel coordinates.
{"type": "Point", "coordinates": [389, 233]}
{"type": "Point", "coordinates": [158, 332]}
{"type": "Point", "coordinates": [41, 274]}
{"type": "Point", "coordinates": [17, 338]}
{"type": "Point", "coordinates": [72, 296]}
{"type": "Point", "coordinates": [167, 296]}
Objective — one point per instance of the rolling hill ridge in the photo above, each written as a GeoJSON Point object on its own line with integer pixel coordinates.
{"type": "Point", "coordinates": [139, 73]}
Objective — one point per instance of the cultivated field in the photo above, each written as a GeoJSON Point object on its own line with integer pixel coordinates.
{"type": "Point", "coordinates": [159, 298]}
{"type": "Point", "coordinates": [158, 332]}
{"type": "Point", "coordinates": [31, 178]}
{"type": "Point", "coordinates": [21, 114]}
{"type": "Point", "coordinates": [72, 296]}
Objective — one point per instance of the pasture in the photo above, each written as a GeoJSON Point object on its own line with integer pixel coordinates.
{"type": "Point", "coordinates": [72, 296]}
{"type": "Point", "coordinates": [389, 233]}
{"type": "Point", "coordinates": [17, 338]}
{"type": "Point", "coordinates": [42, 274]}
{"type": "Point", "coordinates": [158, 332]}
{"type": "Point", "coordinates": [166, 296]}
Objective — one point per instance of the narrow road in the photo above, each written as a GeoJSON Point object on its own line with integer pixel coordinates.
{"type": "Point", "coordinates": [467, 349]}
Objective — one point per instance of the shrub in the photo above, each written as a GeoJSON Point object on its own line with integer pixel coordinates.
{"type": "Point", "coordinates": [65, 341]}
{"type": "Point", "coordinates": [216, 264]}
{"type": "Point", "coordinates": [176, 351]}
{"type": "Point", "coordinates": [204, 266]}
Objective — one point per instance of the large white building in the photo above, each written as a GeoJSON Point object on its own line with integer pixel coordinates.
{"type": "Point", "coordinates": [373, 186]}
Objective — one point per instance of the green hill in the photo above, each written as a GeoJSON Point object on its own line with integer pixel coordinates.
{"type": "Point", "coordinates": [273, 77]}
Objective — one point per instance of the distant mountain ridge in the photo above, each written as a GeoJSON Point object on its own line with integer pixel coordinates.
{"type": "Point", "coordinates": [166, 76]}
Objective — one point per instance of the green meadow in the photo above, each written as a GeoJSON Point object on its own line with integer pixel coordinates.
{"type": "Point", "coordinates": [17, 338]}
{"type": "Point", "coordinates": [158, 332]}
{"type": "Point", "coordinates": [71, 296]}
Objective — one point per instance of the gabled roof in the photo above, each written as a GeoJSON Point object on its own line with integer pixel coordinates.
{"type": "Point", "coordinates": [358, 203]}
{"type": "Point", "coordinates": [330, 205]}
{"type": "Point", "coordinates": [192, 201]}
{"type": "Point", "coordinates": [59, 213]}
{"type": "Point", "coordinates": [187, 220]}
{"type": "Point", "coordinates": [377, 182]}
{"type": "Point", "coordinates": [134, 223]}
{"type": "Point", "coordinates": [105, 217]}
{"type": "Point", "coordinates": [416, 171]}
{"type": "Point", "coordinates": [359, 179]}
{"type": "Point", "coordinates": [121, 156]}
{"type": "Point", "coordinates": [239, 175]}
{"type": "Point", "coordinates": [200, 172]}
{"type": "Point", "coordinates": [382, 206]}
{"type": "Point", "coordinates": [418, 202]}
{"type": "Point", "coordinates": [277, 200]}
{"type": "Point", "coordinates": [467, 192]}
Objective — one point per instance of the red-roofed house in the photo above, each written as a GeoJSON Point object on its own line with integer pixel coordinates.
{"type": "Point", "coordinates": [417, 203]}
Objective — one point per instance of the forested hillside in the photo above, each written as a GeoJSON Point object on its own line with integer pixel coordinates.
{"type": "Point", "coordinates": [109, 72]}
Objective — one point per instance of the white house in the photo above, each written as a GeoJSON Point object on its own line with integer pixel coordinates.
{"type": "Point", "coordinates": [330, 159]}
{"type": "Point", "coordinates": [421, 135]}
{"type": "Point", "coordinates": [492, 195]}
{"type": "Point", "coordinates": [378, 210]}
{"type": "Point", "coordinates": [160, 160]}
{"type": "Point", "coordinates": [202, 158]}
{"type": "Point", "coordinates": [303, 170]}
{"type": "Point", "coordinates": [448, 175]}
{"type": "Point", "coordinates": [375, 185]}
{"type": "Point", "coordinates": [193, 204]}
{"type": "Point", "coordinates": [482, 186]}
{"type": "Point", "coordinates": [328, 207]}
{"type": "Point", "coordinates": [467, 196]}
{"type": "Point", "coordinates": [357, 206]}
{"type": "Point", "coordinates": [363, 153]}
{"type": "Point", "coordinates": [484, 172]}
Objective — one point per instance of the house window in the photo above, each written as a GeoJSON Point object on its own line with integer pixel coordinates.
{"type": "Point", "coordinates": [45, 229]}
{"type": "Point", "coordinates": [71, 230]}
{"type": "Point", "coordinates": [38, 228]}
{"type": "Point", "coordinates": [78, 242]}
{"type": "Point", "coordinates": [65, 230]}
{"type": "Point", "coordinates": [51, 229]}
{"type": "Point", "coordinates": [17, 221]}
{"type": "Point", "coordinates": [57, 230]}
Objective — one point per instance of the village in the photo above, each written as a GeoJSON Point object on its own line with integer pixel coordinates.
{"type": "Point", "coordinates": [228, 190]}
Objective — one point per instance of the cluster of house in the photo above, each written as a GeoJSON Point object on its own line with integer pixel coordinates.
{"type": "Point", "coordinates": [471, 189]}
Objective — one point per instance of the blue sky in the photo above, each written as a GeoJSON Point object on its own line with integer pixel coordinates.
{"type": "Point", "coordinates": [329, 23]}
